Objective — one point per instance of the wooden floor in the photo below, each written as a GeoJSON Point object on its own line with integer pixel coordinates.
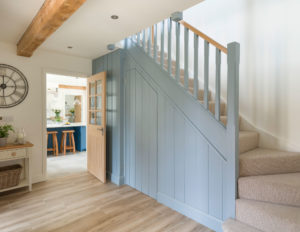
{"type": "Point", "coordinates": [80, 203]}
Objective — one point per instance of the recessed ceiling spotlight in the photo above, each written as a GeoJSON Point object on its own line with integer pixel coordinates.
{"type": "Point", "coordinates": [70, 47]}
{"type": "Point", "coordinates": [114, 16]}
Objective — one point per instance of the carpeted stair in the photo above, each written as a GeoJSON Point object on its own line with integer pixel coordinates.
{"type": "Point", "coordinates": [279, 189]}
{"type": "Point", "coordinates": [267, 162]}
{"type": "Point", "coordinates": [267, 216]}
{"type": "Point", "coordinates": [268, 189]}
{"type": "Point", "coordinates": [236, 226]}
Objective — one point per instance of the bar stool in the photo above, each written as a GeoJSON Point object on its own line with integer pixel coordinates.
{"type": "Point", "coordinates": [54, 147]}
{"type": "Point", "coordinates": [63, 143]}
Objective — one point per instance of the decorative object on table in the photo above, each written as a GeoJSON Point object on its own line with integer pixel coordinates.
{"type": "Point", "coordinates": [13, 86]}
{"type": "Point", "coordinates": [4, 132]}
{"type": "Point", "coordinates": [10, 176]}
{"type": "Point", "coordinates": [21, 136]}
{"type": "Point", "coordinates": [72, 116]}
{"type": "Point", "coordinates": [57, 115]}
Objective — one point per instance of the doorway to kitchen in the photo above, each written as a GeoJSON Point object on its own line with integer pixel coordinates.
{"type": "Point", "coordinates": [66, 117]}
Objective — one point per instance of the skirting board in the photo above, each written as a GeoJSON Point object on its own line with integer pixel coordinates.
{"type": "Point", "coordinates": [202, 218]}
{"type": "Point", "coordinates": [118, 180]}
{"type": "Point", "coordinates": [38, 178]}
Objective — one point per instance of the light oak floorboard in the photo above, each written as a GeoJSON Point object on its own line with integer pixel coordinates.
{"type": "Point", "coordinates": [80, 203]}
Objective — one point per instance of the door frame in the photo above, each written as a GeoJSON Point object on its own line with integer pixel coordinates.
{"type": "Point", "coordinates": [46, 71]}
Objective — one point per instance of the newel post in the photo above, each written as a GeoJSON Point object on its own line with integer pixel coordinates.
{"type": "Point", "coordinates": [233, 61]}
{"type": "Point", "coordinates": [231, 169]}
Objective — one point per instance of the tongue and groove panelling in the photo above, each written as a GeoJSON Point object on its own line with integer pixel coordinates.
{"type": "Point", "coordinates": [166, 156]}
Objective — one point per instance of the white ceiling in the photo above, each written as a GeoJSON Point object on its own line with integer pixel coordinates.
{"type": "Point", "coordinates": [89, 29]}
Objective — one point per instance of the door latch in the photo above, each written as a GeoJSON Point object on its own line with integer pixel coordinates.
{"type": "Point", "coordinates": [101, 129]}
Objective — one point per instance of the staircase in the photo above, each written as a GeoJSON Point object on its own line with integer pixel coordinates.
{"type": "Point", "coordinates": [269, 180]}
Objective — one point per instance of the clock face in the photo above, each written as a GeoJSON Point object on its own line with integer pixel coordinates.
{"type": "Point", "coordinates": [13, 86]}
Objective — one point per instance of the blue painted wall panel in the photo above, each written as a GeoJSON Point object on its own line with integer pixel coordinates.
{"type": "Point", "coordinates": [166, 149]}
{"type": "Point", "coordinates": [174, 150]}
{"type": "Point", "coordinates": [215, 183]}
{"type": "Point", "coordinates": [187, 167]}
{"type": "Point", "coordinates": [140, 133]}
{"type": "Point", "coordinates": [179, 157]}
{"type": "Point", "coordinates": [196, 166]}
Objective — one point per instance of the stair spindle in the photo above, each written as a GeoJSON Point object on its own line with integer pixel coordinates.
{"type": "Point", "coordinates": [218, 84]}
{"type": "Point", "coordinates": [144, 39]}
{"type": "Point", "coordinates": [155, 42]}
{"type": "Point", "coordinates": [177, 75]}
{"type": "Point", "coordinates": [162, 40]}
{"type": "Point", "coordinates": [196, 82]}
{"type": "Point", "coordinates": [206, 69]}
{"type": "Point", "coordinates": [186, 58]}
{"type": "Point", "coordinates": [170, 46]}
{"type": "Point", "coordinates": [149, 42]}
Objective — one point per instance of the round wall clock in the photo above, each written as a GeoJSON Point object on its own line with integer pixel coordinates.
{"type": "Point", "coordinates": [13, 86]}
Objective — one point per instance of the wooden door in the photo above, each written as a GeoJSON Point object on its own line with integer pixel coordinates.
{"type": "Point", "coordinates": [96, 126]}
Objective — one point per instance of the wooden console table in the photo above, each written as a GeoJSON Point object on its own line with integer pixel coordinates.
{"type": "Point", "coordinates": [18, 152]}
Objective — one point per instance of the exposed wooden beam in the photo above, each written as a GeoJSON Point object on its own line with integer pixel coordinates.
{"type": "Point", "coordinates": [50, 17]}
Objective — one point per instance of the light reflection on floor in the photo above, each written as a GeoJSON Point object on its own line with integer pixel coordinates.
{"type": "Point", "coordinates": [63, 165]}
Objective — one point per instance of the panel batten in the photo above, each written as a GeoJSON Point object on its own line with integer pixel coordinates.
{"type": "Point", "coordinates": [126, 43]}
{"type": "Point", "coordinates": [155, 42]}
{"type": "Point", "coordinates": [186, 58]}
{"type": "Point", "coordinates": [196, 50]}
{"type": "Point", "coordinates": [177, 75]}
{"type": "Point", "coordinates": [206, 69]}
{"type": "Point", "coordinates": [138, 39]}
{"type": "Point", "coordinates": [170, 46]}
{"type": "Point", "coordinates": [149, 41]}
{"type": "Point", "coordinates": [144, 39]}
{"type": "Point", "coordinates": [162, 40]}
{"type": "Point", "coordinates": [215, 188]}
{"type": "Point", "coordinates": [218, 84]}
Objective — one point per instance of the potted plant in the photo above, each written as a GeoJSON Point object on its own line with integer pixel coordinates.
{"type": "Point", "coordinates": [4, 132]}
{"type": "Point", "coordinates": [57, 115]}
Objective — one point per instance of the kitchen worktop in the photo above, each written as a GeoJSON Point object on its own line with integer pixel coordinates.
{"type": "Point", "coordinates": [61, 124]}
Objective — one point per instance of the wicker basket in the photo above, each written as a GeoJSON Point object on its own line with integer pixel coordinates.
{"type": "Point", "coordinates": [10, 176]}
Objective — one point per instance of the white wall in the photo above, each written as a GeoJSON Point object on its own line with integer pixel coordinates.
{"type": "Point", "coordinates": [29, 114]}
{"type": "Point", "coordinates": [269, 34]}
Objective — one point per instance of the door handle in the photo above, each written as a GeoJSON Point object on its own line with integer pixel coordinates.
{"type": "Point", "coordinates": [101, 129]}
